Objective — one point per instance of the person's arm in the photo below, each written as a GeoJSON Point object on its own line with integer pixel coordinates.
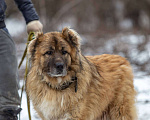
{"type": "Point", "coordinates": [27, 9]}
{"type": "Point", "coordinates": [30, 15]}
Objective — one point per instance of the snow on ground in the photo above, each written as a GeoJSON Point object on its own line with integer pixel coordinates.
{"type": "Point", "coordinates": [24, 112]}
{"type": "Point", "coordinates": [142, 86]}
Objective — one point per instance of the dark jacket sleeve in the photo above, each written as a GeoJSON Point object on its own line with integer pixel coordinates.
{"type": "Point", "coordinates": [27, 9]}
{"type": "Point", "coordinates": [2, 10]}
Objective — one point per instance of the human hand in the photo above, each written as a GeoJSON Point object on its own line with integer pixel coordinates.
{"type": "Point", "coordinates": [34, 26]}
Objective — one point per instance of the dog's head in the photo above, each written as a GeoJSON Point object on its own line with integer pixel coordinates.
{"type": "Point", "coordinates": [55, 52]}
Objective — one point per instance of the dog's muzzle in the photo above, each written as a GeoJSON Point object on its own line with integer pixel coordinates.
{"type": "Point", "coordinates": [59, 67]}
{"type": "Point", "coordinates": [58, 70]}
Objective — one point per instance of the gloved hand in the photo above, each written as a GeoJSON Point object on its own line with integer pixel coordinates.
{"type": "Point", "coordinates": [34, 26]}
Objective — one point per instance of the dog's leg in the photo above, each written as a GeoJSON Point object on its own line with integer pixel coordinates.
{"type": "Point", "coordinates": [123, 107]}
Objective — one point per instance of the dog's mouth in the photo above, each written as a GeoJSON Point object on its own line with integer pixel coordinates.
{"type": "Point", "coordinates": [56, 73]}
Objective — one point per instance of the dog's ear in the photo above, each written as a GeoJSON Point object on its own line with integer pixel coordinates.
{"type": "Point", "coordinates": [72, 37]}
{"type": "Point", "coordinates": [34, 43]}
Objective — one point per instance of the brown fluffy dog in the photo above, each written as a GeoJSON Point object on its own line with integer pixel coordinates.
{"type": "Point", "coordinates": [65, 85]}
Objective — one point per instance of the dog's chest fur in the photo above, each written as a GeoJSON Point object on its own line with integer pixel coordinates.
{"type": "Point", "coordinates": [53, 109]}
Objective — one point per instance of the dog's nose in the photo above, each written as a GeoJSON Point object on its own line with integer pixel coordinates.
{"type": "Point", "coordinates": [59, 66]}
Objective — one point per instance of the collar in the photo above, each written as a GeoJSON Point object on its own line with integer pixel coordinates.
{"type": "Point", "coordinates": [65, 85]}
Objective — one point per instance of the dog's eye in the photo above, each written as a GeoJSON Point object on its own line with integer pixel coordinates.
{"type": "Point", "coordinates": [64, 52]}
{"type": "Point", "coordinates": [49, 53]}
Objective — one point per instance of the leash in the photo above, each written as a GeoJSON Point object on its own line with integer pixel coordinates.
{"type": "Point", "coordinates": [31, 36]}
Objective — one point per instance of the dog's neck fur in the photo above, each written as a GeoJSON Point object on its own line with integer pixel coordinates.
{"type": "Point", "coordinates": [65, 85]}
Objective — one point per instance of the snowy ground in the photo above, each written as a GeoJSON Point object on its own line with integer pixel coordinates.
{"type": "Point", "coordinates": [142, 86]}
